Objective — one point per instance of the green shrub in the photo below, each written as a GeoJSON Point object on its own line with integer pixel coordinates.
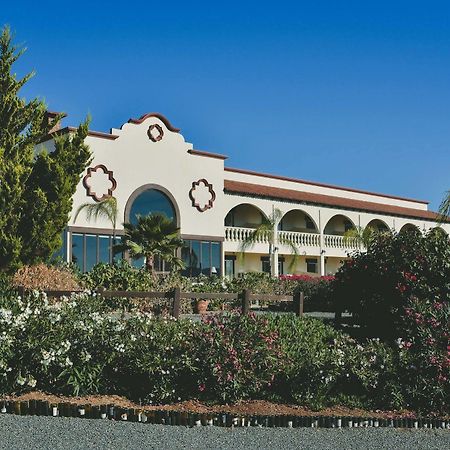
{"type": "Point", "coordinates": [121, 276]}
{"type": "Point", "coordinates": [376, 285]}
{"type": "Point", "coordinates": [155, 359]}
{"type": "Point", "coordinates": [326, 366]}
{"type": "Point", "coordinates": [6, 287]}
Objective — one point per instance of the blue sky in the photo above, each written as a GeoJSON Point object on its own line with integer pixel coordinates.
{"type": "Point", "coordinates": [354, 93]}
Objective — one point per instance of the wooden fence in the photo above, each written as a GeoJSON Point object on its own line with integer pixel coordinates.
{"type": "Point", "coordinates": [176, 295]}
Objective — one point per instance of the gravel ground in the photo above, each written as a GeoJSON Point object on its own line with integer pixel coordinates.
{"type": "Point", "coordinates": [21, 432]}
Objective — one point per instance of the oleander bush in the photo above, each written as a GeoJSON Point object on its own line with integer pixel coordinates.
{"type": "Point", "coordinates": [424, 352]}
{"type": "Point", "coordinates": [80, 346]}
{"type": "Point", "coordinates": [325, 366]}
{"type": "Point", "coordinates": [240, 357]}
{"type": "Point", "coordinates": [155, 359]}
{"type": "Point", "coordinates": [63, 347]}
{"type": "Point", "coordinates": [375, 285]}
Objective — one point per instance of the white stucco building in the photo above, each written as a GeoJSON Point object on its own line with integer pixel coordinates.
{"type": "Point", "coordinates": [148, 166]}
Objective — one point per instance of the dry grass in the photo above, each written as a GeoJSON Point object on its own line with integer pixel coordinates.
{"type": "Point", "coordinates": [43, 277]}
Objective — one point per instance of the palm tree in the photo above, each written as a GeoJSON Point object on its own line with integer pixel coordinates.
{"type": "Point", "coordinates": [153, 236]}
{"type": "Point", "coordinates": [444, 208]}
{"type": "Point", "coordinates": [360, 236]}
{"type": "Point", "coordinates": [106, 209]}
{"type": "Point", "coordinates": [267, 231]}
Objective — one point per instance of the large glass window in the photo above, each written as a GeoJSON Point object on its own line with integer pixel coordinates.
{"type": "Point", "coordinates": [311, 265]}
{"type": "Point", "coordinates": [265, 264]}
{"type": "Point", "coordinates": [78, 250]}
{"type": "Point", "coordinates": [216, 258]}
{"type": "Point", "coordinates": [230, 266]}
{"type": "Point", "coordinates": [91, 249]}
{"type": "Point", "coordinates": [151, 201]}
{"type": "Point", "coordinates": [148, 202]}
{"type": "Point", "coordinates": [201, 257]}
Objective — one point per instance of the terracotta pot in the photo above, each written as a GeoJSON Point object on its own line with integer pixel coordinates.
{"type": "Point", "coordinates": [201, 306]}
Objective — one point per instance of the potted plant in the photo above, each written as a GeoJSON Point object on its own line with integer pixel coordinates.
{"type": "Point", "coordinates": [201, 306]}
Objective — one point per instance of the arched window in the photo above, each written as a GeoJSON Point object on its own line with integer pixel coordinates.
{"type": "Point", "coordinates": [151, 201]}
{"type": "Point", "coordinates": [147, 200]}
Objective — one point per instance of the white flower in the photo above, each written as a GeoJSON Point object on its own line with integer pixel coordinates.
{"type": "Point", "coordinates": [32, 382]}
{"type": "Point", "coordinates": [120, 348]}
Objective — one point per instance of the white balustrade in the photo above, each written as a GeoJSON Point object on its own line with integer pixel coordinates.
{"type": "Point", "coordinates": [300, 239]}
{"type": "Point", "coordinates": [240, 234]}
{"type": "Point", "coordinates": [336, 241]}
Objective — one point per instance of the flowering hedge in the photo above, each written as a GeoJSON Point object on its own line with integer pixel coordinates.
{"type": "Point", "coordinates": [425, 352]}
{"type": "Point", "coordinates": [377, 284]}
{"type": "Point", "coordinates": [80, 346]}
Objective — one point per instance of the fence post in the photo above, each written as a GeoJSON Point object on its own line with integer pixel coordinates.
{"type": "Point", "coordinates": [338, 317]}
{"type": "Point", "coordinates": [21, 291]}
{"type": "Point", "coordinates": [176, 302]}
{"type": "Point", "coordinates": [245, 301]}
{"type": "Point", "coordinates": [100, 291]}
{"type": "Point", "coordinates": [299, 301]}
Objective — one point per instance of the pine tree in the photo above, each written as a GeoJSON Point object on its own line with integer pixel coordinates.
{"type": "Point", "coordinates": [35, 189]}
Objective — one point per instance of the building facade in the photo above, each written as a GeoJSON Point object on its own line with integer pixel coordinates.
{"type": "Point", "coordinates": [148, 166]}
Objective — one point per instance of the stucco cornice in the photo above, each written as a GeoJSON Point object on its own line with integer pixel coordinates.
{"type": "Point", "coordinates": [207, 154]}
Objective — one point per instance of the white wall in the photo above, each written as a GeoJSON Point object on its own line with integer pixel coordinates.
{"type": "Point", "coordinates": [137, 161]}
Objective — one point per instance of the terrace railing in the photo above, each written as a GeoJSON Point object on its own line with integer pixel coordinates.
{"type": "Point", "coordinates": [300, 239]}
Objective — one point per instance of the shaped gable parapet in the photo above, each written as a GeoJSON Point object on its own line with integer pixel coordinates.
{"type": "Point", "coordinates": [159, 116]}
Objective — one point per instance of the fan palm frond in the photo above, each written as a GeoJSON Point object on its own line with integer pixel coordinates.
{"type": "Point", "coordinates": [105, 209]}
{"type": "Point", "coordinates": [444, 208]}
{"type": "Point", "coordinates": [154, 235]}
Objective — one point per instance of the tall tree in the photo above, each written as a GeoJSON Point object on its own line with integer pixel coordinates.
{"type": "Point", "coordinates": [36, 189]}
{"type": "Point", "coordinates": [153, 236]}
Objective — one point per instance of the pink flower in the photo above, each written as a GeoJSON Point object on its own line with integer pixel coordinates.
{"type": "Point", "coordinates": [409, 276]}
{"type": "Point", "coordinates": [201, 387]}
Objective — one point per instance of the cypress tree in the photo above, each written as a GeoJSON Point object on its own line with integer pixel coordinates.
{"type": "Point", "coordinates": [36, 188]}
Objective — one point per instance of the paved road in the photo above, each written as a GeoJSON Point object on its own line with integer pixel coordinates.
{"type": "Point", "coordinates": [17, 432]}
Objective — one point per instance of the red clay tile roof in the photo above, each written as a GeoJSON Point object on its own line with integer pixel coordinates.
{"type": "Point", "coordinates": [315, 183]}
{"type": "Point", "coordinates": [341, 202]}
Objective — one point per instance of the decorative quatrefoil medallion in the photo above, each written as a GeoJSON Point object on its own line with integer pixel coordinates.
{"type": "Point", "coordinates": [202, 195]}
{"type": "Point", "coordinates": [155, 132]}
{"type": "Point", "coordinates": [99, 183]}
